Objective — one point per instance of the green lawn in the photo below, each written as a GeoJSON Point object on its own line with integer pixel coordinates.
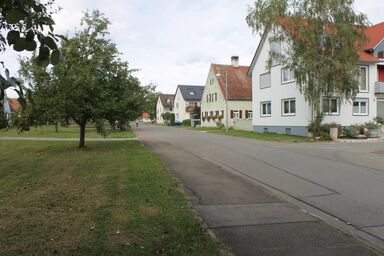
{"type": "Point", "coordinates": [254, 135]}
{"type": "Point", "coordinates": [113, 198]}
{"type": "Point", "coordinates": [72, 131]}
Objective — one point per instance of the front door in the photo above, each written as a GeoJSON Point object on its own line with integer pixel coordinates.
{"type": "Point", "coordinates": [380, 108]}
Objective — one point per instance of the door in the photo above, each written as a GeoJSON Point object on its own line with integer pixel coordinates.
{"type": "Point", "coordinates": [380, 108]}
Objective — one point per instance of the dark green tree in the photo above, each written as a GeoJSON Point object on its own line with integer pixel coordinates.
{"type": "Point", "coordinates": [321, 40]}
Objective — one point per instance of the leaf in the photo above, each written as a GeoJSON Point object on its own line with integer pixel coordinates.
{"type": "Point", "coordinates": [48, 41]}
{"type": "Point", "coordinates": [56, 57]}
{"type": "Point", "coordinates": [46, 21]}
{"type": "Point", "coordinates": [30, 35]}
{"type": "Point", "coordinates": [30, 46]}
{"type": "Point", "coordinates": [43, 57]}
{"type": "Point", "coordinates": [20, 44]}
{"type": "Point", "coordinates": [13, 36]}
{"type": "Point", "coordinates": [14, 16]}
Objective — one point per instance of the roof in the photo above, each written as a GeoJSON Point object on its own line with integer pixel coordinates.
{"type": "Point", "coordinates": [239, 83]}
{"type": "Point", "coordinates": [375, 35]}
{"type": "Point", "coordinates": [146, 115]}
{"type": "Point", "coordinates": [164, 100]}
{"type": "Point", "coordinates": [191, 92]}
{"type": "Point", "coordinates": [14, 104]}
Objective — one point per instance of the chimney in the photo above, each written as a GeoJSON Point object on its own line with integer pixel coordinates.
{"type": "Point", "coordinates": [235, 61]}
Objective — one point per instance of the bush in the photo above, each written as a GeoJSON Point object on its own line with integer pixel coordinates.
{"type": "Point", "coordinates": [220, 125]}
{"type": "Point", "coordinates": [187, 122]}
{"type": "Point", "coordinates": [379, 120]}
{"type": "Point", "coordinates": [372, 125]}
{"type": "Point", "coordinates": [315, 126]}
{"type": "Point", "coordinates": [3, 121]}
{"type": "Point", "coordinates": [324, 136]}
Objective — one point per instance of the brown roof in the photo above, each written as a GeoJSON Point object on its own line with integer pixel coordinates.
{"type": "Point", "coordinates": [14, 104]}
{"type": "Point", "coordinates": [239, 84]}
{"type": "Point", "coordinates": [164, 100]}
{"type": "Point", "coordinates": [146, 115]}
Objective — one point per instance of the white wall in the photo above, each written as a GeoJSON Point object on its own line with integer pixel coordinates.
{"type": "Point", "coordinates": [219, 105]}
{"type": "Point", "coordinates": [279, 91]}
{"type": "Point", "coordinates": [159, 111]}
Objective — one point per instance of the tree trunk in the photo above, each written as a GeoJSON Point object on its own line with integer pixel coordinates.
{"type": "Point", "coordinates": [112, 123]}
{"type": "Point", "coordinates": [82, 135]}
{"type": "Point", "coordinates": [56, 127]}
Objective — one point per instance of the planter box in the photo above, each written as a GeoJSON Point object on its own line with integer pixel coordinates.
{"type": "Point", "coordinates": [374, 133]}
{"type": "Point", "coordinates": [333, 132]}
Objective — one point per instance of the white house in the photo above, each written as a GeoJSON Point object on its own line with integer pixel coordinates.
{"type": "Point", "coordinates": [164, 105]}
{"type": "Point", "coordinates": [10, 106]}
{"type": "Point", "coordinates": [187, 101]}
{"type": "Point", "coordinates": [229, 82]}
{"type": "Point", "coordinates": [279, 107]}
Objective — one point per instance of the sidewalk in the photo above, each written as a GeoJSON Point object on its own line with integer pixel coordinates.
{"type": "Point", "coordinates": [248, 219]}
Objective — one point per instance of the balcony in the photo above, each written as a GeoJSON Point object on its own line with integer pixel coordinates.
{"type": "Point", "coordinates": [191, 109]}
{"type": "Point", "coordinates": [379, 87]}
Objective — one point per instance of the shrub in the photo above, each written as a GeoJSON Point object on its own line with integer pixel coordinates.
{"type": "Point", "coordinates": [187, 122]}
{"type": "Point", "coordinates": [3, 121]}
{"type": "Point", "coordinates": [203, 118]}
{"type": "Point", "coordinates": [209, 118]}
{"type": "Point", "coordinates": [315, 126]}
{"type": "Point", "coordinates": [372, 125]}
{"type": "Point", "coordinates": [220, 117]}
{"type": "Point", "coordinates": [379, 120]}
{"type": "Point", "coordinates": [219, 125]}
{"type": "Point", "coordinates": [324, 136]}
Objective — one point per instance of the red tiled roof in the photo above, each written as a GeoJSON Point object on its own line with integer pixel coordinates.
{"type": "Point", "coordinates": [375, 34]}
{"type": "Point", "coordinates": [239, 83]}
{"type": "Point", "coordinates": [14, 104]}
{"type": "Point", "coordinates": [146, 115]}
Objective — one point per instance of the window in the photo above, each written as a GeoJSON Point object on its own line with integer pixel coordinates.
{"type": "Point", "coordinates": [236, 114]}
{"type": "Point", "coordinates": [266, 108]}
{"type": "Point", "coordinates": [289, 107]}
{"type": "Point", "coordinates": [215, 96]}
{"type": "Point", "coordinates": [191, 93]}
{"type": "Point", "coordinates": [287, 76]}
{"type": "Point", "coordinates": [210, 97]}
{"type": "Point", "coordinates": [265, 80]}
{"type": "Point", "coordinates": [330, 106]}
{"type": "Point", "coordinates": [275, 50]}
{"type": "Point", "coordinates": [360, 107]}
{"type": "Point", "coordinates": [249, 114]}
{"type": "Point", "coordinates": [380, 55]}
{"type": "Point", "coordinates": [211, 81]}
{"type": "Point", "coordinates": [363, 79]}
{"type": "Point", "coordinates": [177, 105]}
{"type": "Point", "coordinates": [207, 98]}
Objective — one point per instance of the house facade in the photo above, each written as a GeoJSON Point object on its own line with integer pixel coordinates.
{"type": "Point", "coordinates": [10, 106]}
{"type": "Point", "coordinates": [279, 107]}
{"type": "Point", "coordinates": [164, 105]}
{"type": "Point", "coordinates": [230, 80]}
{"type": "Point", "coordinates": [187, 102]}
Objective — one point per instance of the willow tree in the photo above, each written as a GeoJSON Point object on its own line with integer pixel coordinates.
{"type": "Point", "coordinates": [320, 42]}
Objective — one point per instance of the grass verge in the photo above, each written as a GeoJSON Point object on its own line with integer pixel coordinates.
{"type": "Point", "coordinates": [72, 131]}
{"type": "Point", "coordinates": [113, 198]}
{"type": "Point", "coordinates": [254, 135]}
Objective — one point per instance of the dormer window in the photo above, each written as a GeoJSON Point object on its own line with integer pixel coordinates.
{"type": "Point", "coordinates": [191, 93]}
{"type": "Point", "coordinates": [380, 55]}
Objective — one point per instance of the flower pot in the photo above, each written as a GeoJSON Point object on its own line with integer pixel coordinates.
{"type": "Point", "coordinates": [333, 132]}
{"type": "Point", "coordinates": [373, 133]}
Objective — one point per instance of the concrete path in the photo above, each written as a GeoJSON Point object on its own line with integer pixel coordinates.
{"type": "Point", "coordinates": [65, 139]}
{"type": "Point", "coordinates": [237, 208]}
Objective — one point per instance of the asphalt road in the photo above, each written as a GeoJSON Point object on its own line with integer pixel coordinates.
{"type": "Point", "coordinates": [342, 180]}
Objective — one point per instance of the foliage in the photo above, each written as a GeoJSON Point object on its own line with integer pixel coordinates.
{"type": "Point", "coordinates": [167, 116]}
{"type": "Point", "coordinates": [3, 121]}
{"type": "Point", "coordinates": [196, 113]}
{"type": "Point", "coordinates": [151, 100]}
{"type": "Point", "coordinates": [379, 120]}
{"type": "Point", "coordinates": [187, 122]}
{"type": "Point", "coordinates": [320, 43]}
{"type": "Point", "coordinates": [372, 125]}
{"type": "Point", "coordinates": [25, 22]}
{"type": "Point", "coordinates": [315, 125]}
{"type": "Point", "coordinates": [100, 127]}
{"type": "Point", "coordinates": [325, 136]}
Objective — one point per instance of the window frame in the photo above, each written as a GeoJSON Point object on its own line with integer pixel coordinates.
{"type": "Point", "coordinates": [366, 78]}
{"type": "Point", "coordinates": [250, 114]}
{"type": "Point", "coordinates": [289, 105]}
{"type": "Point", "coordinates": [270, 80]}
{"type": "Point", "coordinates": [282, 76]}
{"type": "Point", "coordinates": [329, 106]}
{"type": "Point", "coordinates": [261, 109]}
{"type": "Point", "coordinates": [366, 100]}
{"type": "Point", "coordinates": [236, 114]}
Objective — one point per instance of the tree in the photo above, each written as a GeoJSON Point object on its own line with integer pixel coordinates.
{"type": "Point", "coordinates": [24, 22]}
{"type": "Point", "coordinates": [80, 80]}
{"type": "Point", "coordinates": [321, 40]}
{"type": "Point", "coordinates": [151, 101]}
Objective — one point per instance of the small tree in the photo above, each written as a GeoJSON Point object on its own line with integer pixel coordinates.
{"type": "Point", "coordinates": [323, 38]}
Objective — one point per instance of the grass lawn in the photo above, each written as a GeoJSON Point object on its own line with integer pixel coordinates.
{"type": "Point", "coordinates": [113, 198]}
{"type": "Point", "coordinates": [72, 131]}
{"type": "Point", "coordinates": [254, 135]}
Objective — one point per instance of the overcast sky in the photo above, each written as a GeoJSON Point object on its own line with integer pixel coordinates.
{"type": "Point", "coordinates": [174, 41]}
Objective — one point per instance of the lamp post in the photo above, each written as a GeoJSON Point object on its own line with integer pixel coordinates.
{"type": "Point", "coordinates": [218, 75]}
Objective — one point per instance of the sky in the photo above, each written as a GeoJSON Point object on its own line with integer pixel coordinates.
{"type": "Point", "coordinates": [174, 41]}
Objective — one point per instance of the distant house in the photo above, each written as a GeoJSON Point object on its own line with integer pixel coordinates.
{"type": "Point", "coordinates": [187, 102]}
{"type": "Point", "coordinates": [164, 105]}
{"type": "Point", "coordinates": [279, 106]}
{"type": "Point", "coordinates": [11, 106]}
{"type": "Point", "coordinates": [234, 80]}
{"type": "Point", "coordinates": [146, 117]}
